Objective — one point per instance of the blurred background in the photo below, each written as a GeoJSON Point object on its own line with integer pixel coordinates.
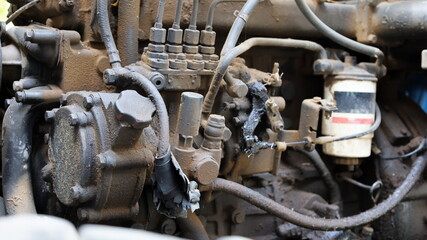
{"type": "Point", "coordinates": [3, 9]}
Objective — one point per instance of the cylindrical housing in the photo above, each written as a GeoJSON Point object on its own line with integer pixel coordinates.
{"type": "Point", "coordinates": [189, 114]}
{"type": "Point", "coordinates": [354, 91]}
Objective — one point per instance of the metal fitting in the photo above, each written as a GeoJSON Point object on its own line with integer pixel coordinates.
{"type": "Point", "coordinates": [157, 35]}
{"type": "Point", "coordinates": [191, 36]}
{"type": "Point", "coordinates": [155, 47]}
{"type": "Point", "coordinates": [110, 76]}
{"type": "Point", "coordinates": [207, 50]}
{"type": "Point", "coordinates": [190, 49]}
{"type": "Point", "coordinates": [175, 36]}
{"type": "Point", "coordinates": [207, 38]}
{"type": "Point", "coordinates": [173, 48]}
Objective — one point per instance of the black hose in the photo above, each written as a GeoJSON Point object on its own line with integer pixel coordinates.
{"type": "Point", "coordinates": [18, 123]}
{"type": "Point", "coordinates": [192, 227]}
{"type": "Point", "coordinates": [335, 192]}
{"type": "Point", "coordinates": [127, 30]}
{"type": "Point", "coordinates": [21, 10]}
{"type": "Point", "coordinates": [289, 215]}
{"type": "Point", "coordinates": [106, 34]}
{"type": "Point", "coordinates": [338, 38]}
{"type": "Point", "coordinates": [161, 110]}
{"type": "Point", "coordinates": [420, 147]}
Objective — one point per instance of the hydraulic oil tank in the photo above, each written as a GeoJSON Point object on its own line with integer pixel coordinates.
{"type": "Point", "coordinates": [354, 90]}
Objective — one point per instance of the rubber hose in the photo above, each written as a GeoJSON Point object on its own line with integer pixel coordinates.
{"type": "Point", "coordinates": [18, 124]}
{"type": "Point", "coordinates": [106, 34]}
{"type": "Point", "coordinates": [338, 38]}
{"type": "Point", "coordinates": [161, 110]}
{"type": "Point", "coordinates": [127, 30]}
{"type": "Point", "coordinates": [289, 215]}
{"type": "Point", "coordinates": [192, 227]}
{"type": "Point", "coordinates": [319, 164]}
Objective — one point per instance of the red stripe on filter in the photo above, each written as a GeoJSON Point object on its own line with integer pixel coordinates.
{"type": "Point", "coordinates": [352, 120]}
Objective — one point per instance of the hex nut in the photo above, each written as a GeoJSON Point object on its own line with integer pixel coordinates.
{"type": "Point", "coordinates": [173, 48]}
{"type": "Point", "coordinates": [157, 35]}
{"type": "Point", "coordinates": [155, 47]}
{"type": "Point", "coordinates": [158, 63]}
{"type": "Point", "coordinates": [158, 55]}
{"type": "Point", "coordinates": [177, 64]}
{"type": "Point", "coordinates": [191, 37]}
{"type": "Point", "coordinates": [190, 49]}
{"type": "Point", "coordinates": [206, 50]}
{"type": "Point", "coordinates": [109, 76]}
{"type": "Point", "coordinates": [175, 36]}
{"type": "Point", "coordinates": [207, 38]}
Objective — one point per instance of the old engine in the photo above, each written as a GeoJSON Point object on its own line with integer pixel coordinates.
{"type": "Point", "coordinates": [294, 119]}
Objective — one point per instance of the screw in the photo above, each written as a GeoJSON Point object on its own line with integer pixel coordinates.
{"type": "Point", "coordinates": [238, 216]}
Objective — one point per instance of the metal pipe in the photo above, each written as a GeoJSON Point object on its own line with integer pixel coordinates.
{"type": "Point", "coordinates": [177, 20]}
{"type": "Point", "coordinates": [245, 46]}
{"type": "Point", "coordinates": [16, 153]}
{"type": "Point", "coordinates": [21, 10]}
{"type": "Point", "coordinates": [338, 38]}
{"type": "Point", "coordinates": [319, 164]}
{"type": "Point", "coordinates": [106, 35]}
{"type": "Point", "coordinates": [192, 227]}
{"type": "Point", "coordinates": [161, 110]}
{"type": "Point", "coordinates": [209, 21]}
{"type": "Point", "coordinates": [160, 11]}
{"type": "Point", "coordinates": [193, 22]}
{"type": "Point", "coordinates": [127, 30]}
{"type": "Point", "coordinates": [238, 24]}
{"type": "Point", "coordinates": [289, 215]}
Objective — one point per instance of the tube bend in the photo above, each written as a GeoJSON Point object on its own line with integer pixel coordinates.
{"type": "Point", "coordinates": [319, 164]}
{"type": "Point", "coordinates": [192, 227]}
{"type": "Point", "coordinates": [289, 215]}
{"type": "Point", "coordinates": [161, 110]}
{"type": "Point", "coordinates": [18, 126]}
{"type": "Point", "coordinates": [338, 38]}
{"type": "Point", "coordinates": [226, 59]}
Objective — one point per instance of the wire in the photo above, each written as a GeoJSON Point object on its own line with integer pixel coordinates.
{"type": "Point", "coordinates": [421, 147]}
{"type": "Point", "coordinates": [296, 218]}
{"type": "Point", "coordinates": [21, 10]}
{"type": "Point", "coordinates": [374, 126]}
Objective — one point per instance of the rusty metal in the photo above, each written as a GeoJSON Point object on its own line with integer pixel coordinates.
{"type": "Point", "coordinates": [127, 140]}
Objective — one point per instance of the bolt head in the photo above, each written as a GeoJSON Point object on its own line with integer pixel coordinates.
{"type": "Point", "coordinates": [74, 120]}
{"type": "Point", "coordinates": [49, 115]}
{"type": "Point", "coordinates": [110, 76]}
{"type": "Point", "coordinates": [88, 102]}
